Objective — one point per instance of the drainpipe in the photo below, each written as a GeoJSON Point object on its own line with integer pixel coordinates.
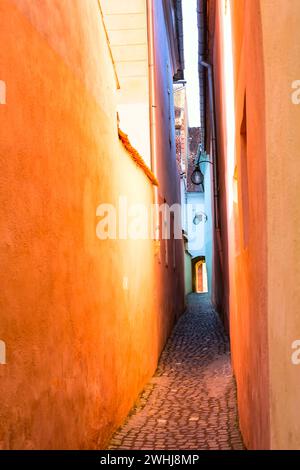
{"type": "Point", "coordinates": [201, 17]}
{"type": "Point", "coordinates": [152, 103]}
{"type": "Point", "coordinates": [214, 156]}
{"type": "Point", "coordinates": [213, 133]}
{"type": "Point", "coordinates": [202, 26]}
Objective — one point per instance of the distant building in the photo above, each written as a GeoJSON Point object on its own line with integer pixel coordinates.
{"type": "Point", "coordinates": [194, 217]}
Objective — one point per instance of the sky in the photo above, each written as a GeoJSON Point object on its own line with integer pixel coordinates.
{"type": "Point", "coordinates": [190, 33]}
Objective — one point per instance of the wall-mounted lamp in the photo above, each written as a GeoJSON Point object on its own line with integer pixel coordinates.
{"type": "Point", "coordinates": [197, 175]}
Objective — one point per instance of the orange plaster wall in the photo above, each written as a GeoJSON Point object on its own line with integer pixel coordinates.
{"type": "Point", "coordinates": [282, 67]}
{"type": "Point", "coordinates": [245, 275]}
{"type": "Point", "coordinates": [79, 346]}
{"type": "Point", "coordinates": [262, 278]}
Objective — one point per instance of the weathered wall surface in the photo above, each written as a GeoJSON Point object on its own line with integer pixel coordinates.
{"type": "Point", "coordinates": [243, 205]}
{"type": "Point", "coordinates": [79, 346]}
{"type": "Point", "coordinates": [280, 22]}
{"type": "Point", "coordinates": [262, 218]}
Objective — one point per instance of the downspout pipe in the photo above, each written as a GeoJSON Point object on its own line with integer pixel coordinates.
{"type": "Point", "coordinates": [212, 108]}
{"type": "Point", "coordinates": [202, 27]}
{"type": "Point", "coordinates": [213, 135]}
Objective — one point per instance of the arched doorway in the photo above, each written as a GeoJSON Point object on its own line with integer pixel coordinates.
{"type": "Point", "coordinates": [200, 285]}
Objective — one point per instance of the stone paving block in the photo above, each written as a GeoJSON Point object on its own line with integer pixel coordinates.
{"type": "Point", "coordinates": [190, 403]}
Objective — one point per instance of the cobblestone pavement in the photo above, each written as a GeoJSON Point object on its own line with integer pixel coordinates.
{"type": "Point", "coordinates": [190, 403]}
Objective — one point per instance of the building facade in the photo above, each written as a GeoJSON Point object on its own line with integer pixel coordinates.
{"type": "Point", "coordinates": [256, 243]}
{"type": "Point", "coordinates": [83, 320]}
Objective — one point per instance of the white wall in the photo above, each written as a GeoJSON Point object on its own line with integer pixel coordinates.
{"type": "Point", "coordinates": [196, 239]}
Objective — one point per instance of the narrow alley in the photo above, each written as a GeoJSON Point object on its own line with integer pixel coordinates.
{"type": "Point", "coordinates": [150, 226]}
{"type": "Point", "coordinates": [190, 403]}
